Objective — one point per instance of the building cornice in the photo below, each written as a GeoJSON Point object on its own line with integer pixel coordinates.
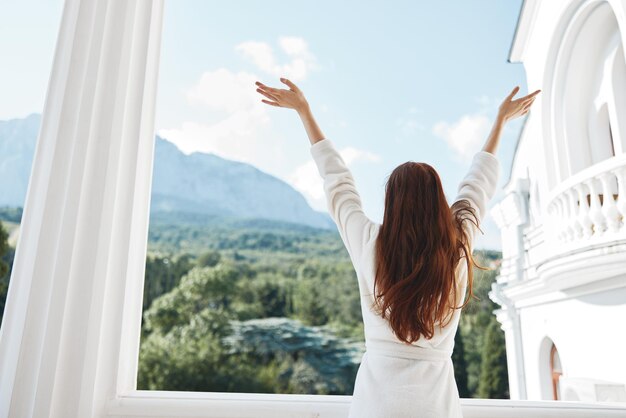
{"type": "Point", "coordinates": [523, 30]}
{"type": "Point", "coordinates": [597, 270]}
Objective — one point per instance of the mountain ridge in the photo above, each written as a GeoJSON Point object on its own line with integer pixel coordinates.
{"type": "Point", "coordinates": [183, 186]}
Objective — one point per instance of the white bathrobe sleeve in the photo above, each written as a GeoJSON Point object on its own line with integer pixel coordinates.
{"type": "Point", "coordinates": [344, 202]}
{"type": "Point", "coordinates": [479, 185]}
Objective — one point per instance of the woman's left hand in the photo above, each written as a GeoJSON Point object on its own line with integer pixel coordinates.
{"type": "Point", "coordinates": [291, 98]}
{"type": "Point", "coordinates": [511, 109]}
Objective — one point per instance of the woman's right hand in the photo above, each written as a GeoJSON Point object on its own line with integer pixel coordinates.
{"type": "Point", "coordinates": [291, 98]}
{"type": "Point", "coordinates": [511, 109]}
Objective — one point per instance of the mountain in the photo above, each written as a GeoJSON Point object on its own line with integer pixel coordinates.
{"type": "Point", "coordinates": [207, 184]}
{"type": "Point", "coordinates": [17, 147]}
{"type": "Point", "coordinates": [197, 187]}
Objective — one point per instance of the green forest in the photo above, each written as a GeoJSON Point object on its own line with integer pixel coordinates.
{"type": "Point", "coordinates": [270, 307]}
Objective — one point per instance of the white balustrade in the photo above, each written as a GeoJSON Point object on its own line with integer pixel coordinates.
{"type": "Point", "coordinates": [596, 216]}
{"type": "Point", "coordinates": [591, 203]}
{"type": "Point", "coordinates": [583, 211]}
{"type": "Point", "coordinates": [621, 200]}
{"type": "Point", "coordinates": [575, 229]}
{"type": "Point", "coordinates": [609, 209]}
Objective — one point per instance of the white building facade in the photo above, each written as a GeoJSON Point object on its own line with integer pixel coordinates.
{"type": "Point", "coordinates": [562, 286]}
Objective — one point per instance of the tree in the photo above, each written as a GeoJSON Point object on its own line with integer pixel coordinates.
{"type": "Point", "coordinates": [460, 365]}
{"type": "Point", "coordinates": [494, 382]}
{"type": "Point", "coordinates": [209, 259]}
{"type": "Point", "coordinates": [192, 357]}
{"type": "Point", "coordinates": [4, 248]}
{"type": "Point", "coordinates": [162, 275]}
{"type": "Point", "coordinates": [272, 293]}
{"type": "Point", "coordinates": [476, 318]}
{"type": "Point", "coordinates": [4, 268]}
{"type": "Point", "coordinates": [201, 288]}
{"type": "Point", "coordinates": [307, 302]}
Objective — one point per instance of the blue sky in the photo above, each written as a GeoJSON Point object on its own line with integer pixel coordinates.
{"type": "Point", "coordinates": [388, 82]}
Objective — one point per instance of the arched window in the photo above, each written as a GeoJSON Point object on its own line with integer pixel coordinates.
{"type": "Point", "coordinates": [601, 135]}
{"type": "Point", "coordinates": [583, 111]}
{"type": "Point", "coordinates": [556, 371]}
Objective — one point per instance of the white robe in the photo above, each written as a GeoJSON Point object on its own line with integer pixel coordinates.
{"type": "Point", "coordinates": [395, 379]}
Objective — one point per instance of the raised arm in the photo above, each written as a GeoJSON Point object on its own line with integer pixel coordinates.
{"type": "Point", "coordinates": [344, 202]}
{"type": "Point", "coordinates": [479, 185]}
{"type": "Point", "coordinates": [343, 199]}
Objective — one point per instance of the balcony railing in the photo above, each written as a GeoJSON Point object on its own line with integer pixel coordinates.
{"type": "Point", "coordinates": [159, 404]}
{"type": "Point", "coordinates": [590, 204]}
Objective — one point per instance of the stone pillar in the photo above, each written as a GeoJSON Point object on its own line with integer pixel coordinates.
{"type": "Point", "coordinates": [78, 269]}
{"type": "Point", "coordinates": [509, 318]}
{"type": "Point", "coordinates": [511, 216]}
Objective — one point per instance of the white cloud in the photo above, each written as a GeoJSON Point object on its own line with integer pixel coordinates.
{"type": "Point", "coordinates": [241, 134]}
{"type": "Point", "coordinates": [223, 90]}
{"type": "Point", "coordinates": [242, 128]}
{"type": "Point", "coordinates": [307, 180]}
{"type": "Point", "coordinates": [466, 135]}
{"type": "Point", "coordinates": [351, 155]}
{"type": "Point", "coordinates": [301, 60]}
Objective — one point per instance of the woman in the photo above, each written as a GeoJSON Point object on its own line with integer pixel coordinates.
{"type": "Point", "coordinates": [413, 270]}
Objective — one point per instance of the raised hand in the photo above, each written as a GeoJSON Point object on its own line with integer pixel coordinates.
{"type": "Point", "coordinates": [291, 98]}
{"type": "Point", "coordinates": [511, 109]}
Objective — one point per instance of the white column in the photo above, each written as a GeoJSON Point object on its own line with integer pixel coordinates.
{"type": "Point", "coordinates": [509, 319]}
{"type": "Point", "coordinates": [511, 216]}
{"type": "Point", "coordinates": [79, 262]}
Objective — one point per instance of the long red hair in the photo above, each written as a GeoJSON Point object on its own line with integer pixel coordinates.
{"type": "Point", "coordinates": [420, 243]}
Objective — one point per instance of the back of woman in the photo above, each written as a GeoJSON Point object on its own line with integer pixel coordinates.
{"type": "Point", "coordinates": [407, 369]}
{"type": "Point", "coordinates": [414, 270]}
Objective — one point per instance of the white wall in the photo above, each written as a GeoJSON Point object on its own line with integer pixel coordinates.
{"type": "Point", "coordinates": [589, 334]}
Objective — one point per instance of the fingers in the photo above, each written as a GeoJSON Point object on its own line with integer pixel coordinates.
{"type": "Point", "coordinates": [291, 86]}
{"type": "Point", "coordinates": [525, 101]}
{"type": "Point", "coordinates": [531, 95]}
{"type": "Point", "coordinates": [267, 88]}
{"type": "Point", "coordinates": [268, 95]}
{"type": "Point", "coordinates": [270, 103]}
{"type": "Point", "coordinates": [529, 100]}
{"type": "Point", "coordinates": [526, 107]}
{"type": "Point", "coordinates": [513, 93]}
{"type": "Point", "coordinates": [280, 97]}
